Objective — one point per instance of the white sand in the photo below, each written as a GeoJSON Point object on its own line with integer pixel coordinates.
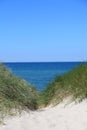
{"type": "Point", "coordinates": [60, 117]}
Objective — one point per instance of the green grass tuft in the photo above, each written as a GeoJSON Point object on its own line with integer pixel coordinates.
{"type": "Point", "coordinates": [15, 93]}
{"type": "Point", "coordinates": [73, 84]}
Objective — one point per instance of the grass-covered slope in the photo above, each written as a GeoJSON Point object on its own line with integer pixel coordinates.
{"type": "Point", "coordinates": [73, 84]}
{"type": "Point", "coordinates": [15, 93]}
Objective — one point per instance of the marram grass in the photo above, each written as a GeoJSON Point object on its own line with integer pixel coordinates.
{"type": "Point", "coordinates": [15, 93]}
{"type": "Point", "coordinates": [73, 83]}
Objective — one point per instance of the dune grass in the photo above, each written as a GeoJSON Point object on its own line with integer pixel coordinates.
{"type": "Point", "coordinates": [73, 83]}
{"type": "Point", "coordinates": [15, 93]}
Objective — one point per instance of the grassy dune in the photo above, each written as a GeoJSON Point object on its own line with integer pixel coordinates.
{"type": "Point", "coordinates": [73, 83]}
{"type": "Point", "coordinates": [15, 93]}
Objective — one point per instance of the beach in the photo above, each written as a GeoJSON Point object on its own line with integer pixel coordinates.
{"type": "Point", "coordinates": [65, 116]}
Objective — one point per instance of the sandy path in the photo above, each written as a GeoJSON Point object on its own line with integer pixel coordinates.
{"type": "Point", "coordinates": [60, 117]}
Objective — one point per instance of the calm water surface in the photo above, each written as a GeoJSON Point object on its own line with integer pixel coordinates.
{"type": "Point", "coordinates": [40, 74]}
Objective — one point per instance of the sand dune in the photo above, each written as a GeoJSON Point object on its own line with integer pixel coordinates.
{"type": "Point", "coordinates": [61, 117]}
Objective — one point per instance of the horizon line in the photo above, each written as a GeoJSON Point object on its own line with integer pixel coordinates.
{"type": "Point", "coordinates": [38, 61]}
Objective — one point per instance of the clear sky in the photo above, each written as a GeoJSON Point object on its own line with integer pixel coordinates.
{"type": "Point", "coordinates": [43, 30]}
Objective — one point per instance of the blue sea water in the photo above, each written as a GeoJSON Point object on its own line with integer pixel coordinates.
{"type": "Point", "coordinates": [40, 74]}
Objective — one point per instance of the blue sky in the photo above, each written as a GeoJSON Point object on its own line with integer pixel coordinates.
{"type": "Point", "coordinates": [43, 30]}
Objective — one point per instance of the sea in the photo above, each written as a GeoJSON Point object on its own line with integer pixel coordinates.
{"type": "Point", "coordinates": [40, 74]}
